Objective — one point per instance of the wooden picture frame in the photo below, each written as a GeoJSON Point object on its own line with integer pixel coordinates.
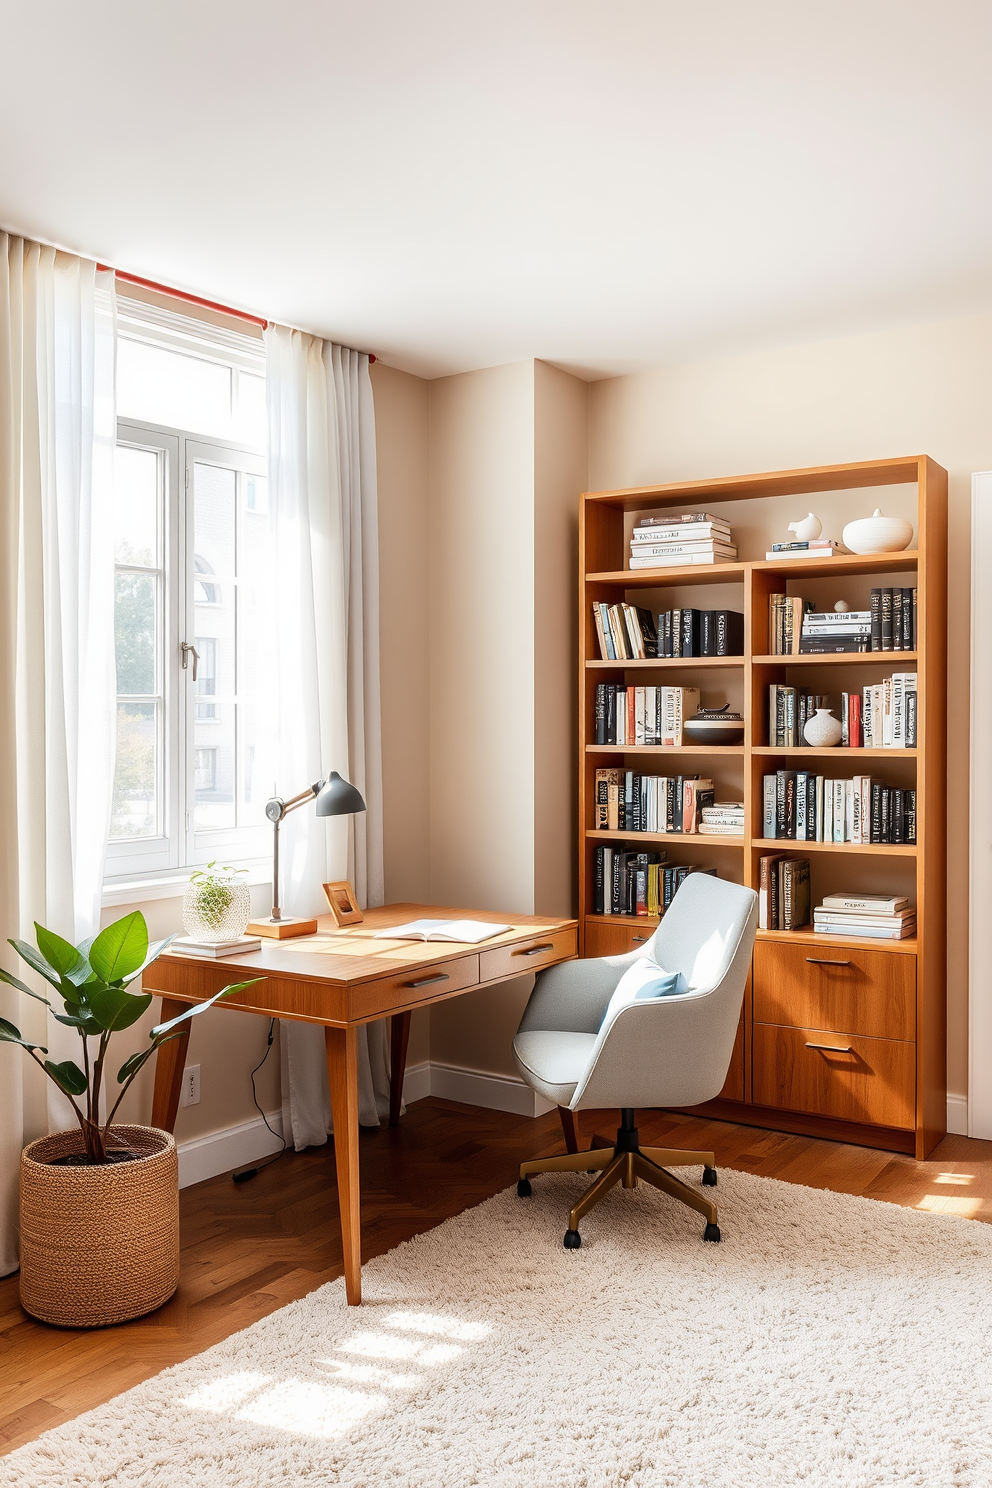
{"type": "Point", "coordinates": [342, 903]}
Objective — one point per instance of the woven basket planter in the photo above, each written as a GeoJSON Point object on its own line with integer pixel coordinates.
{"type": "Point", "coordinates": [99, 1245]}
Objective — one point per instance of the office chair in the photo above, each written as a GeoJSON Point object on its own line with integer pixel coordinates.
{"type": "Point", "coordinates": [671, 1049]}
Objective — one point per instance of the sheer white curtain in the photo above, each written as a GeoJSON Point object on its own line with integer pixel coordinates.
{"type": "Point", "coordinates": [57, 686]}
{"type": "Point", "coordinates": [323, 501]}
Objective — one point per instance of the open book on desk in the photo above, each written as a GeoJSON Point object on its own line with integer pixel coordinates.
{"type": "Point", "coordinates": [469, 932]}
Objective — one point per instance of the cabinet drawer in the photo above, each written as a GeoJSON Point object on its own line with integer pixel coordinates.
{"type": "Point", "coordinates": [385, 994]}
{"type": "Point", "coordinates": [604, 939]}
{"type": "Point", "coordinates": [518, 960]}
{"type": "Point", "coordinates": [872, 993]}
{"type": "Point", "coordinates": [871, 1081]}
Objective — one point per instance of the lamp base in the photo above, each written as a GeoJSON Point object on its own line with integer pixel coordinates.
{"type": "Point", "coordinates": [281, 929]}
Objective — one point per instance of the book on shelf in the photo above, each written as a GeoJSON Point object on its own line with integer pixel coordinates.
{"type": "Point", "coordinates": [683, 560]}
{"type": "Point", "coordinates": [722, 819]}
{"type": "Point", "coordinates": [692, 538]}
{"type": "Point", "coordinates": [691, 548]}
{"type": "Point", "coordinates": [626, 801]}
{"type": "Point", "coordinates": [893, 619]}
{"type": "Point", "coordinates": [810, 545]}
{"type": "Point", "coordinates": [801, 806]}
{"type": "Point", "coordinates": [783, 892]}
{"type": "Point", "coordinates": [804, 550]}
{"type": "Point", "coordinates": [890, 918]}
{"type": "Point", "coordinates": [869, 904]}
{"type": "Point", "coordinates": [692, 632]}
{"type": "Point", "coordinates": [682, 519]}
{"type": "Point", "coordinates": [882, 716]}
{"type": "Point", "coordinates": [637, 883]}
{"type": "Point", "coordinates": [712, 530]}
{"type": "Point", "coordinates": [642, 716]}
{"type": "Point", "coordinates": [785, 621]}
{"type": "Point", "coordinates": [625, 632]}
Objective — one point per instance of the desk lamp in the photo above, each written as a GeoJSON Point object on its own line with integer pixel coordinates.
{"type": "Point", "coordinates": [334, 797]}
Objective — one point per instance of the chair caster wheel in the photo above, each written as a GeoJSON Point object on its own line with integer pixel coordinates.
{"type": "Point", "coordinates": [711, 1232]}
{"type": "Point", "coordinates": [709, 1177]}
{"type": "Point", "coordinates": [572, 1239]}
{"type": "Point", "coordinates": [523, 1188]}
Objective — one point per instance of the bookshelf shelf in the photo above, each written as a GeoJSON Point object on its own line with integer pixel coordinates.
{"type": "Point", "coordinates": [658, 751]}
{"type": "Point", "coordinates": [668, 663]}
{"type": "Point", "coordinates": [805, 751]}
{"type": "Point", "coordinates": [721, 840]}
{"type": "Point", "coordinates": [857, 849]}
{"type": "Point", "coordinates": [916, 871]}
{"type": "Point", "coordinates": [893, 659]}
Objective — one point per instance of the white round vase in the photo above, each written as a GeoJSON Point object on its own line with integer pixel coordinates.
{"type": "Point", "coordinates": [823, 730]}
{"type": "Point", "coordinates": [878, 534]}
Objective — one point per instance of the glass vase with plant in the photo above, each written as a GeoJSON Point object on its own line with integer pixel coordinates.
{"type": "Point", "coordinates": [216, 904]}
{"type": "Point", "coordinates": [92, 981]}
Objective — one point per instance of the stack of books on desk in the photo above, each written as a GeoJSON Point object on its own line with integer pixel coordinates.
{"type": "Point", "coordinates": [671, 541]}
{"type": "Point", "coordinates": [722, 819]}
{"type": "Point", "coordinates": [878, 917]}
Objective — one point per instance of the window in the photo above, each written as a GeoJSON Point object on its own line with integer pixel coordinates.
{"type": "Point", "coordinates": [193, 596]}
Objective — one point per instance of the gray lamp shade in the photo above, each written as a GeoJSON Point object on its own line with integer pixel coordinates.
{"type": "Point", "coordinates": [337, 797]}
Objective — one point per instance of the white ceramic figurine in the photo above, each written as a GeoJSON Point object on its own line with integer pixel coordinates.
{"type": "Point", "coordinates": [807, 529]}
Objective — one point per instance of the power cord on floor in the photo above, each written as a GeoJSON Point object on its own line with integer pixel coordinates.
{"type": "Point", "coordinates": [253, 1172]}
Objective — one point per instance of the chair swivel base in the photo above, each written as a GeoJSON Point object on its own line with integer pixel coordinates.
{"type": "Point", "coordinates": [625, 1161]}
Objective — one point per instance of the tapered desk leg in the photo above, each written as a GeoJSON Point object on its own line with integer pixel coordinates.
{"type": "Point", "coordinates": [342, 1072]}
{"type": "Point", "coordinates": [399, 1038]}
{"type": "Point", "coordinates": [169, 1064]}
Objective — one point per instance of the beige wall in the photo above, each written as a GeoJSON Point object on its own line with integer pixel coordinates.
{"type": "Point", "coordinates": [925, 389]}
{"type": "Point", "coordinates": [401, 430]}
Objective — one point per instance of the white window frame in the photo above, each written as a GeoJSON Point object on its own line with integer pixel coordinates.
{"type": "Point", "coordinates": [179, 846]}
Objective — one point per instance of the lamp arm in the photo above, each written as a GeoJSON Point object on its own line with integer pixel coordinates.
{"type": "Point", "coordinates": [304, 796]}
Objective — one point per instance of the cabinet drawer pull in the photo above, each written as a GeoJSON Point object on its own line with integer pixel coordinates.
{"type": "Point", "coordinates": [442, 976]}
{"type": "Point", "coordinates": [833, 1048]}
{"type": "Point", "coordinates": [823, 961]}
{"type": "Point", "coordinates": [535, 950]}
{"type": "Point", "coordinates": [640, 937]}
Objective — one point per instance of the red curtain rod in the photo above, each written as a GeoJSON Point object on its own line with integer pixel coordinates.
{"type": "Point", "coordinates": [191, 299]}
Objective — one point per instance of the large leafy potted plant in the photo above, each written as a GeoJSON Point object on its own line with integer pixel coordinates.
{"type": "Point", "coordinates": [99, 1203]}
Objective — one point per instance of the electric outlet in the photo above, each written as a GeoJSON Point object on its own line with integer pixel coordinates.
{"type": "Point", "coordinates": [191, 1085]}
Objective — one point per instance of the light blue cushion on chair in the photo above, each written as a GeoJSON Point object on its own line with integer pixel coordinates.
{"type": "Point", "coordinates": [644, 982]}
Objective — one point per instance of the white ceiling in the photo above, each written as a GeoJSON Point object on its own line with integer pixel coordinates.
{"type": "Point", "coordinates": [606, 184]}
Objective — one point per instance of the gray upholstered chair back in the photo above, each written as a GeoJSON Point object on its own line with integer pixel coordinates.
{"type": "Point", "coordinates": [674, 1051]}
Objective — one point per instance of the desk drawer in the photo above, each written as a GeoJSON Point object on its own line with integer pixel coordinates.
{"type": "Point", "coordinates": [871, 1081]}
{"type": "Point", "coordinates": [387, 994]}
{"type": "Point", "coordinates": [844, 988]}
{"type": "Point", "coordinates": [606, 939]}
{"type": "Point", "coordinates": [531, 955]}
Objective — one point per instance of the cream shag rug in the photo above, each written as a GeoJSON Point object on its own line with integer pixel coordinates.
{"type": "Point", "coordinates": [827, 1340]}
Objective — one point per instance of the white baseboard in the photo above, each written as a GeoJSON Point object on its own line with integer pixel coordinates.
{"type": "Point", "coordinates": [957, 1115]}
{"type": "Point", "coordinates": [219, 1152]}
{"type": "Point", "coordinates": [473, 1088]}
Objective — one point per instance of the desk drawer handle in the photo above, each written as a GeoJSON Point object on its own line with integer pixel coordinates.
{"type": "Point", "coordinates": [640, 937]}
{"type": "Point", "coordinates": [822, 961]}
{"type": "Point", "coordinates": [833, 1048]}
{"type": "Point", "coordinates": [442, 976]}
{"type": "Point", "coordinates": [535, 950]}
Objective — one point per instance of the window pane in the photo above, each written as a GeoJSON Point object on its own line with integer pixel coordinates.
{"type": "Point", "coordinates": [167, 387]}
{"type": "Point", "coordinates": [251, 423]}
{"type": "Point", "coordinates": [136, 803]}
{"type": "Point", "coordinates": [136, 485]}
{"type": "Point", "coordinates": [214, 498]}
{"type": "Point", "coordinates": [134, 623]}
{"type": "Point", "coordinates": [213, 769]}
{"type": "Point", "coordinates": [258, 764]}
{"type": "Point", "coordinates": [206, 676]}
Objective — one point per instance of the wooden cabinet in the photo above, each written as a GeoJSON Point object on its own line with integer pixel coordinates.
{"type": "Point", "coordinates": [886, 999]}
{"type": "Point", "coordinates": [606, 938]}
{"type": "Point", "coordinates": [864, 1080]}
{"type": "Point", "coordinates": [841, 988]}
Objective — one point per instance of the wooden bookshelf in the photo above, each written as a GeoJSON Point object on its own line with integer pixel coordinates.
{"type": "Point", "coordinates": [884, 999]}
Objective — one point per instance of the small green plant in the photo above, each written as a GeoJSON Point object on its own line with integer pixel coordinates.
{"type": "Point", "coordinates": [213, 894]}
{"type": "Point", "coordinates": [92, 979]}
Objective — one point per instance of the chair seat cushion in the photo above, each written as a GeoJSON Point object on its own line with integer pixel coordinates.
{"type": "Point", "coordinates": [553, 1063]}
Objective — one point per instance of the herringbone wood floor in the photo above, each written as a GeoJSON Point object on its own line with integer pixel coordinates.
{"type": "Point", "coordinates": [249, 1250]}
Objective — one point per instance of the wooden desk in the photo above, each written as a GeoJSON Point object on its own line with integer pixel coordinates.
{"type": "Point", "coordinates": [342, 978]}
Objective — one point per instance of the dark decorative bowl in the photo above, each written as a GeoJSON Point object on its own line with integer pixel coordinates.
{"type": "Point", "coordinates": [715, 726]}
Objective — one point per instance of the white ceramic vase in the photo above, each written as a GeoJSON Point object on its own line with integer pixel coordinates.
{"type": "Point", "coordinates": [878, 534]}
{"type": "Point", "coordinates": [823, 730]}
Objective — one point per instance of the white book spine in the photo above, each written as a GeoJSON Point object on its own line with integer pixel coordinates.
{"type": "Point", "coordinates": [856, 810]}
{"type": "Point", "coordinates": [768, 812]}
